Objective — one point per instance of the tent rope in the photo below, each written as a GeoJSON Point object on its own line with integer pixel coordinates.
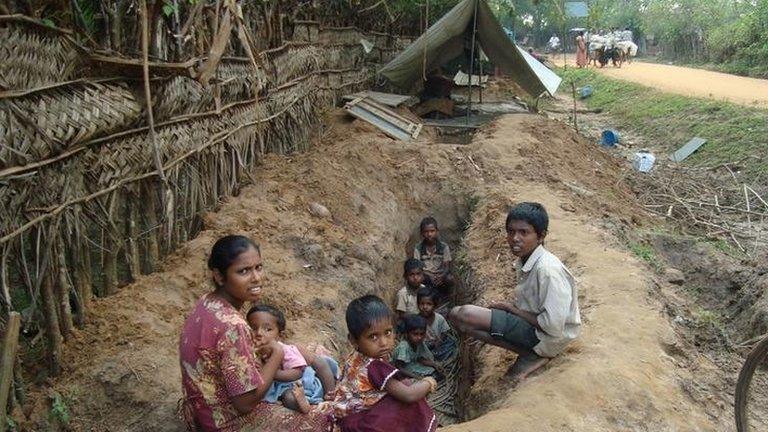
{"type": "Point", "coordinates": [426, 43]}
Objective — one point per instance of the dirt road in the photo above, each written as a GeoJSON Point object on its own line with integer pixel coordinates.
{"type": "Point", "coordinates": [750, 92]}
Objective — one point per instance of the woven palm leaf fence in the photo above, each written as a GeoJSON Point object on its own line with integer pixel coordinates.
{"type": "Point", "coordinates": [91, 196]}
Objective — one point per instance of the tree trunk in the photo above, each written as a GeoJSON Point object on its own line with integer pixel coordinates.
{"type": "Point", "coordinates": [81, 262]}
{"type": "Point", "coordinates": [153, 228]}
{"type": "Point", "coordinates": [110, 264]}
{"type": "Point", "coordinates": [134, 257]}
{"type": "Point", "coordinates": [62, 293]}
{"type": "Point", "coordinates": [53, 331]}
{"type": "Point", "coordinates": [114, 9]}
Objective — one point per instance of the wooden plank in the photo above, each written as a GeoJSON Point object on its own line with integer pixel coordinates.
{"type": "Point", "coordinates": [10, 344]}
{"type": "Point", "coordinates": [385, 126]}
{"type": "Point", "coordinates": [388, 99]}
{"type": "Point", "coordinates": [392, 117]}
{"type": "Point", "coordinates": [133, 67]}
{"type": "Point", "coordinates": [448, 125]}
{"type": "Point", "coordinates": [383, 111]}
{"type": "Point", "coordinates": [388, 121]}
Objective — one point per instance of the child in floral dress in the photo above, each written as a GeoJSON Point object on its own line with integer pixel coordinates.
{"type": "Point", "coordinates": [373, 396]}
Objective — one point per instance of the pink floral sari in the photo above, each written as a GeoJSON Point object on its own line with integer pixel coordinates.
{"type": "Point", "coordinates": [218, 362]}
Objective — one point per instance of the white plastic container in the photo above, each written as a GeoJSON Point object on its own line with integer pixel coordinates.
{"type": "Point", "coordinates": [643, 161]}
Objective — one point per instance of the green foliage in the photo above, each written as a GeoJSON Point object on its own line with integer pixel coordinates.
{"type": "Point", "coordinates": [169, 8]}
{"type": "Point", "coordinates": [504, 10]}
{"type": "Point", "coordinates": [539, 19]}
{"type": "Point", "coordinates": [59, 410]}
{"type": "Point", "coordinates": [726, 248]}
{"type": "Point", "coordinates": [607, 14]}
{"type": "Point", "coordinates": [645, 253]}
{"type": "Point", "coordinates": [734, 133]}
{"type": "Point", "coordinates": [87, 11]}
{"type": "Point", "coordinates": [10, 424]}
{"type": "Point", "coordinates": [742, 45]}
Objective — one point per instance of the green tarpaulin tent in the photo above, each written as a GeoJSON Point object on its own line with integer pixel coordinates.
{"type": "Point", "coordinates": [448, 37]}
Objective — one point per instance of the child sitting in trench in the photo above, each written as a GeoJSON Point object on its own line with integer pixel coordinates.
{"type": "Point", "coordinates": [411, 355]}
{"type": "Point", "coordinates": [436, 256]}
{"type": "Point", "coordinates": [439, 337]}
{"type": "Point", "coordinates": [304, 378]}
{"type": "Point", "coordinates": [413, 273]}
{"type": "Point", "coordinates": [373, 395]}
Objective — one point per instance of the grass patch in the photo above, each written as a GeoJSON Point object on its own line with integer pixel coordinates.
{"type": "Point", "coordinates": [707, 319]}
{"type": "Point", "coordinates": [59, 410]}
{"type": "Point", "coordinates": [735, 134]}
{"type": "Point", "coordinates": [645, 253]}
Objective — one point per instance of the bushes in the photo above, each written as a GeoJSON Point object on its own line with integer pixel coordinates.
{"type": "Point", "coordinates": [742, 45]}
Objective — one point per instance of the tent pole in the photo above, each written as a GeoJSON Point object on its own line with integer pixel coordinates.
{"type": "Point", "coordinates": [480, 82]}
{"type": "Point", "coordinates": [565, 35]}
{"type": "Point", "coordinates": [472, 59]}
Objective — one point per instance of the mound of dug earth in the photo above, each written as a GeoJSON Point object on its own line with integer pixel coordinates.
{"type": "Point", "coordinates": [122, 369]}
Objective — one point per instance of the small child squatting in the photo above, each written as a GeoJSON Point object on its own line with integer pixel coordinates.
{"type": "Point", "coordinates": [438, 338]}
{"type": "Point", "coordinates": [407, 303]}
{"type": "Point", "coordinates": [411, 356]}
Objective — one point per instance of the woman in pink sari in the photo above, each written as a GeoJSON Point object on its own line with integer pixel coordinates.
{"type": "Point", "coordinates": [224, 378]}
{"type": "Point", "coordinates": [581, 51]}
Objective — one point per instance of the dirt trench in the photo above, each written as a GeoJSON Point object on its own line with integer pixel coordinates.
{"type": "Point", "coordinates": [122, 369]}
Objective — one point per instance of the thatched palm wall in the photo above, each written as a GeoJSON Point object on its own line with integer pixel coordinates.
{"type": "Point", "coordinates": [83, 208]}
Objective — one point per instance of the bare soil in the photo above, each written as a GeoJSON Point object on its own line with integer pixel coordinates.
{"type": "Point", "coordinates": [622, 375]}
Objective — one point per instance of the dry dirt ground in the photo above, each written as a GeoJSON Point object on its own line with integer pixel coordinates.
{"type": "Point", "coordinates": [122, 369]}
{"type": "Point", "coordinates": [752, 92]}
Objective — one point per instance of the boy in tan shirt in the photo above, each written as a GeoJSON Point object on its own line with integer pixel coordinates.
{"type": "Point", "coordinates": [544, 316]}
{"type": "Point", "coordinates": [436, 256]}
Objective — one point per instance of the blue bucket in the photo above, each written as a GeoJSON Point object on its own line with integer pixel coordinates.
{"type": "Point", "coordinates": [585, 92]}
{"type": "Point", "coordinates": [610, 137]}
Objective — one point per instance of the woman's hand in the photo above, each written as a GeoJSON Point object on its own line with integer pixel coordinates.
{"type": "Point", "coordinates": [272, 358]}
{"type": "Point", "coordinates": [274, 349]}
{"type": "Point", "coordinates": [269, 349]}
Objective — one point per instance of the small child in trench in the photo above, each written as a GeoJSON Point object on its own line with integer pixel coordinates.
{"type": "Point", "coordinates": [411, 355]}
{"type": "Point", "coordinates": [439, 337]}
{"type": "Point", "coordinates": [373, 394]}
{"type": "Point", "coordinates": [304, 378]}
{"type": "Point", "coordinates": [436, 256]}
{"type": "Point", "coordinates": [413, 273]}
